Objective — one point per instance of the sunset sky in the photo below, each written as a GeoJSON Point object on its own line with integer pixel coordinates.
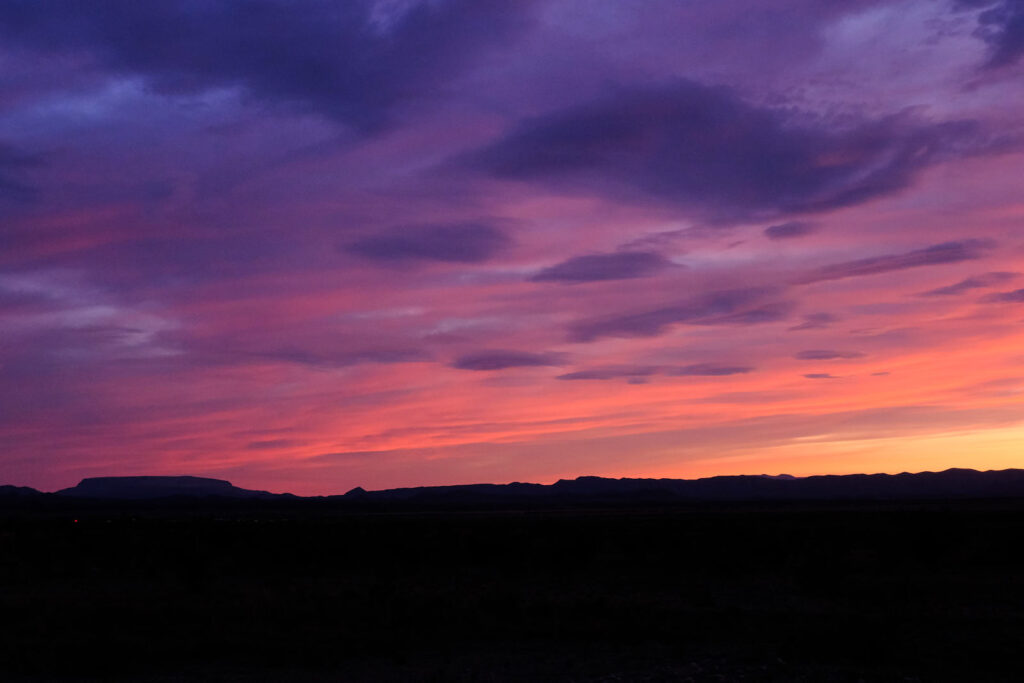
{"type": "Point", "coordinates": [312, 245]}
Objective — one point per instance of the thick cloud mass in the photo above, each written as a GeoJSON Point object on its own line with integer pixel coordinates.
{"type": "Point", "coordinates": [457, 243]}
{"type": "Point", "coordinates": [335, 58]}
{"type": "Point", "coordinates": [1001, 25]}
{"type": "Point", "coordinates": [705, 148]}
{"type": "Point", "coordinates": [623, 265]}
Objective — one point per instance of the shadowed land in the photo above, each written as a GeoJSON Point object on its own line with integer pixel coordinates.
{"type": "Point", "coordinates": [271, 589]}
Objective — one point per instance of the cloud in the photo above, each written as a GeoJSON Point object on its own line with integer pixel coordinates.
{"type": "Point", "coordinates": [729, 307]}
{"type": "Point", "coordinates": [815, 321]}
{"type": "Point", "coordinates": [938, 254]}
{"type": "Point", "coordinates": [975, 282]}
{"type": "Point", "coordinates": [12, 165]}
{"type": "Point", "coordinates": [611, 372]}
{"type": "Point", "coordinates": [621, 265]}
{"type": "Point", "coordinates": [827, 354]}
{"type": "Point", "coordinates": [344, 358]}
{"type": "Point", "coordinates": [1001, 25]}
{"type": "Point", "coordinates": [453, 243]}
{"type": "Point", "coordinates": [498, 359]}
{"type": "Point", "coordinates": [704, 148]}
{"type": "Point", "coordinates": [710, 370]}
{"type": "Point", "coordinates": [345, 60]}
{"type": "Point", "coordinates": [643, 371]}
{"type": "Point", "coordinates": [272, 444]}
{"type": "Point", "coordinates": [785, 231]}
{"type": "Point", "coordinates": [820, 375]}
{"type": "Point", "coordinates": [1016, 296]}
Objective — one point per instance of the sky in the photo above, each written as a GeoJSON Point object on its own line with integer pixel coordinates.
{"type": "Point", "coordinates": [310, 245]}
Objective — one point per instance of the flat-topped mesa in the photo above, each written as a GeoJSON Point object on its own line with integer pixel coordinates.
{"type": "Point", "coordinates": [139, 488]}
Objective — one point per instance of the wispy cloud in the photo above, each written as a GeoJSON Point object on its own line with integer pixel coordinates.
{"type": "Point", "coordinates": [939, 254]}
{"type": "Point", "coordinates": [500, 359]}
{"type": "Point", "coordinates": [975, 282]}
{"type": "Point", "coordinates": [623, 265]}
{"type": "Point", "coordinates": [455, 243]}
{"type": "Point", "coordinates": [827, 354]}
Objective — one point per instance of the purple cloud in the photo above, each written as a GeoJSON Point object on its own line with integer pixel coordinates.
{"type": "Point", "coordinates": [499, 359]}
{"type": "Point", "coordinates": [637, 371]}
{"type": "Point", "coordinates": [1001, 25]}
{"type": "Point", "coordinates": [975, 282]}
{"type": "Point", "coordinates": [611, 372]}
{"type": "Point", "coordinates": [710, 370]}
{"type": "Point", "coordinates": [12, 165]}
{"type": "Point", "coordinates": [815, 321]}
{"type": "Point", "coordinates": [348, 61]}
{"type": "Point", "coordinates": [621, 265]}
{"type": "Point", "coordinates": [704, 148]}
{"type": "Point", "coordinates": [947, 252]}
{"type": "Point", "coordinates": [736, 307]}
{"type": "Point", "coordinates": [345, 358]}
{"type": "Point", "coordinates": [827, 354]}
{"type": "Point", "coordinates": [819, 375]}
{"type": "Point", "coordinates": [1016, 296]}
{"type": "Point", "coordinates": [454, 243]}
{"type": "Point", "coordinates": [790, 230]}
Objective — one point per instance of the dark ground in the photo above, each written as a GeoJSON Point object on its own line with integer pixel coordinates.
{"type": "Point", "coordinates": [810, 593]}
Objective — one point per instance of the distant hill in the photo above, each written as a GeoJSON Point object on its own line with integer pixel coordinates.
{"type": "Point", "coordinates": [8, 492]}
{"type": "Point", "coordinates": [952, 484]}
{"type": "Point", "coordinates": [149, 488]}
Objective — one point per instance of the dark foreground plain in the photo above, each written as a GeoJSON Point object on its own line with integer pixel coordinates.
{"type": "Point", "coordinates": [757, 592]}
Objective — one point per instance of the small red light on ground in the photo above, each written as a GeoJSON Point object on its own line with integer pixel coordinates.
{"type": "Point", "coordinates": [75, 521]}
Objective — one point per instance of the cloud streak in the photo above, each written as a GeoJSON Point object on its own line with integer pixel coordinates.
{"type": "Point", "coordinates": [611, 372]}
{"type": "Point", "coordinates": [1016, 296]}
{"type": "Point", "coordinates": [643, 371]}
{"type": "Point", "coordinates": [827, 354]}
{"type": "Point", "coordinates": [790, 230]}
{"type": "Point", "coordinates": [623, 265]}
{"type": "Point", "coordinates": [975, 282]}
{"type": "Point", "coordinates": [729, 307]}
{"type": "Point", "coordinates": [500, 359]}
{"type": "Point", "coordinates": [938, 254]}
{"type": "Point", "coordinates": [452, 243]}
{"type": "Point", "coordinates": [710, 370]}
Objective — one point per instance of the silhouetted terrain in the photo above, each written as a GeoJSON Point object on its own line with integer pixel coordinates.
{"type": "Point", "coordinates": [268, 589]}
{"type": "Point", "coordinates": [146, 488]}
{"type": "Point", "coordinates": [951, 484]}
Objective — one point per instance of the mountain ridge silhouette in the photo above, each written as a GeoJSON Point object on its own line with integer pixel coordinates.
{"type": "Point", "coordinates": [954, 483]}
